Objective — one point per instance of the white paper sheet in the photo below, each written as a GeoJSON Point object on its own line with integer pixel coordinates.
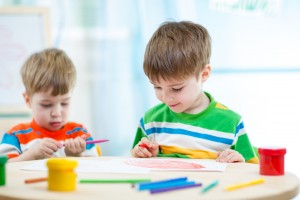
{"type": "Point", "coordinates": [137, 165]}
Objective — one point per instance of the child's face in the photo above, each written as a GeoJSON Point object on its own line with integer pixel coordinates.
{"type": "Point", "coordinates": [180, 96]}
{"type": "Point", "coordinates": [49, 112]}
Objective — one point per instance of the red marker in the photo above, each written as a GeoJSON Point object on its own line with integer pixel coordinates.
{"type": "Point", "coordinates": [143, 145]}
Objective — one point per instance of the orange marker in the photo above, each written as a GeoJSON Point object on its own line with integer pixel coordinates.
{"type": "Point", "coordinates": [36, 180]}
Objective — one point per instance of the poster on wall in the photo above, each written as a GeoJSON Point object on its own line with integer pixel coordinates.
{"type": "Point", "coordinates": [23, 30]}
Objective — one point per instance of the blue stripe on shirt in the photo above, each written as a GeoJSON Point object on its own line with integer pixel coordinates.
{"type": "Point", "coordinates": [11, 140]}
{"type": "Point", "coordinates": [89, 146]}
{"type": "Point", "coordinates": [29, 130]}
{"type": "Point", "coordinates": [239, 127]}
{"type": "Point", "coordinates": [142, 124]}
{"type": "Point", "coordinates": [189, 133]}
{"type": "Point", "coordinates": [77, 129]}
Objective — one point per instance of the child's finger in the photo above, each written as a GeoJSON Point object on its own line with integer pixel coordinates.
{"type": "Point", "coordinates": [230, 157]}
{"type": "Point", "coordinates": [48, 151]}
{"type": "Point", "coordinates": [233, 158]}
{"type": "Point", "coordinates": [145, 152]}
{"type": "Point", "coordinates": [153, 145]}
{"type": "Point", "coordinates": [145, 140]}
{"type": "Point", "coordinates": [223, 154]}
{"type": "Point", "coordinates": [84, 136]}
{"type": "Point", "coordinates": [238, 158]}
{"type": "Point", "coordinates": [69, 143]}
{"type": "Point", "coordinates": [77, 143]}
{"type": "Point", "coordinates": [136, 151]}
{"type": "Point", "coordinates": [53, 142]}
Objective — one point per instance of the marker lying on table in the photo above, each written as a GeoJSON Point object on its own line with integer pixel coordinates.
{"type": "Point", "coordinates": [241, 185]}
{"type": "Point", "coordinates": [114, 180]}
{"type": "Point", "coordinates": [36, 180]}
{"type": "Point", "coordinates": [210, 186]}
{"type": "Point", "coordinates": [183, 186]}
{"type": "Point", "coordinates": [161, 183]}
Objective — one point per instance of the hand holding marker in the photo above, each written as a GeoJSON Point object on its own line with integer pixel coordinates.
{"type": "Point", "coordinates": [143, 145]}
{"type": "Point", "coordinates": [36, 180]}
{"type": "Point", "coordinates": [94, 141]}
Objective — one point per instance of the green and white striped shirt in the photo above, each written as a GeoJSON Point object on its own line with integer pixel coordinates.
{"type": "Point", "coordinates": [199, 135]}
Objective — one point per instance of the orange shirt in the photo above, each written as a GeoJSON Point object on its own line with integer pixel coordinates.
{"type": "Point", "coordinates": [23, 136]}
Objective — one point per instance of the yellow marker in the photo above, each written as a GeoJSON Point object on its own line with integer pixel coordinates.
{"type": "Point", "coordinates": [241, 185]}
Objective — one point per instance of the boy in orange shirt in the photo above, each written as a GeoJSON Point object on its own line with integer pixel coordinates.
{"type": "Point", "coordinates": [49, 77]}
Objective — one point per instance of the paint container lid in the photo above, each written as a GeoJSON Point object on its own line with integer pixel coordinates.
{"type": "Point", "coordinates": [272, 150]}
{"type": "Point", "coordinates": [61, 164]}
{"type": "Point", "coordinates": [3, 159]}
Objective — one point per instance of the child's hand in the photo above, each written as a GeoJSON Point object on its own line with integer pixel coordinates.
{"type": "Point", "coordinates": [149, 150]}
{"type": "Point", "coordinates": [230, 156]}
{"type": "Point", "coordinates": [75, 146]}
{"type": "Point", "coordinates": [44, 149]}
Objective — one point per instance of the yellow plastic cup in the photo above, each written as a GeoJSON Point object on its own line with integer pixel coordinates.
{"type": "Point", "coordinates": [61, 175]}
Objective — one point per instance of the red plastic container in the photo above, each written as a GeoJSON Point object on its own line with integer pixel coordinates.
{"type": "Point", "coordinates": [271, 160]}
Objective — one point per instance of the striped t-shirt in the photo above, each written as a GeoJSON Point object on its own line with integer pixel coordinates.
{"type": "Point", "coordinates": [199, 135]}
{"type": "Point", "coordinates": [23, 136]}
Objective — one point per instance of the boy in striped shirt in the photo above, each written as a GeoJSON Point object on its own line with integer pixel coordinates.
{"type": "Point", "coordinates": [188, 123]}
{"type": "Point", "coordinates": [49, 77]}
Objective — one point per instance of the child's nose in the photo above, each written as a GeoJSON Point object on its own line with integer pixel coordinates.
{"type": "Point", "coordinates": [56, 111]}
{"type": "Point", "coordinates": [167, 97]}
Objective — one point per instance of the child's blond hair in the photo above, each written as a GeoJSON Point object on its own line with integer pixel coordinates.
{"type": "Point", "coordinates": [177, 50]}
{"type": "Point", "coordinates": [48, 69]}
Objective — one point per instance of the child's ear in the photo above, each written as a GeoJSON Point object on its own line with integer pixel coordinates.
{"type": "Point", "coordinates": [205, 73]}
{"type": "Point", "coordinates": [27, 99]}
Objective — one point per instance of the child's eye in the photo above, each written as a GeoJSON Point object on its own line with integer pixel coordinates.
{"type": "Point", "coordinates": [157, 88]}
{"type": "Point", "coordinates": [176, 89]}
{"type": "Point", "coordinates": [65, 104]}
{"type": "Point", "coordinates": [46, 105]}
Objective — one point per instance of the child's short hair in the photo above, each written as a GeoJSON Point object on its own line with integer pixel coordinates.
{"type": "Point", "coordinates": [49, 69]}
{"type": "Point", "coordinates": [177, 50]}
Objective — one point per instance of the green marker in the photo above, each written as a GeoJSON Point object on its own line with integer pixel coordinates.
{"type": "Point", "coordinates": [114, 180]}
{"type": "Point", "coordinates": [213, 184]}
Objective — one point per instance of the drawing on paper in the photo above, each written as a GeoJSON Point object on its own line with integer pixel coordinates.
{"type": "Point", "coordinates": [163, 164]}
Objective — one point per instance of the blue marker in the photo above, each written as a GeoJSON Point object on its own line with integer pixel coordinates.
{"type": "Point", "coordinates": [210, 186]}
{"type": "Point", "coordinates": [163, 183]}
{"type": "Point", "coordinates": [167, 185]}
{"type": "Point", "coordinates": [175, 188]}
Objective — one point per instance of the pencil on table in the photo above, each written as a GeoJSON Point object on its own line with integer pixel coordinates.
{"type": "Point", "coordinates": [114, 180]}
{"type": "Point", "coordinates": [36, 180]}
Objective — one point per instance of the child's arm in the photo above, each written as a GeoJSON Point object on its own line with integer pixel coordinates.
{"type": "Point", "coordinates": [145, 149]}
{"type": "Point", "coordinates": [43, 149]}
{"type": "Point", "coordinates": [75, 146]}
{"type": "Point", "coordinates": [229, 156]}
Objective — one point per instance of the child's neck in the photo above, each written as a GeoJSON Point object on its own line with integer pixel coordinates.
{"type": "Point", "coordinates": [201, 104]}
